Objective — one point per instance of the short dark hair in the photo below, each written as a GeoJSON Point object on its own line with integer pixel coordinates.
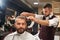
{"type": "Point", "coordinates": [48, 5]}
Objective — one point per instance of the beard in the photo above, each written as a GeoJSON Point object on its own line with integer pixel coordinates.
{"type": "Point", "coordinates": [21, 30]}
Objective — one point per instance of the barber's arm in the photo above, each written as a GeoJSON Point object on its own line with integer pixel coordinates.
{"type": "Point", "coordinates": [27, 14]}
{"type": "Point", "coordinates": [52, 22]}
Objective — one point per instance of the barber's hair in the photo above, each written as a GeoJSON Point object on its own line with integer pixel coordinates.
{"type": "Point", "coordinates": [48, 5]}
{"type": "Point", "coordinates": [21, 17]}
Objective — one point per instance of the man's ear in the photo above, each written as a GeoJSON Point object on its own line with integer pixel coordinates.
{"type": "Point", "coordinates": [14, 24]}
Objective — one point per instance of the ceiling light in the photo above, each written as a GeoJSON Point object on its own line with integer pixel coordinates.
{"type": "Point", "coordinates": [35, 3]}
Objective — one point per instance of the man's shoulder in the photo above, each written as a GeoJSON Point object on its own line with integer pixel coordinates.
{"type": "Point", "coordinates": [29, 35]}
{"type": "Point", "coordinates": [11, 34]}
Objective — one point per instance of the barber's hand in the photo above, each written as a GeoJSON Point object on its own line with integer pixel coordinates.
{"type": "Point", "coordinates": [24, 14]}
{"type": "Point", "coordinates": [31, 18]}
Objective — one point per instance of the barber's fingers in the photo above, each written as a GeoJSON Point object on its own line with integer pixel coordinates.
{"type": "Point", "coordinates": [31, 18]}
{"type": "Point", "coordinates": [24, 14]}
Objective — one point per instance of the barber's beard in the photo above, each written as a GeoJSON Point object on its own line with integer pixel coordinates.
{"type": "Point", "coordinates": [21, 30]}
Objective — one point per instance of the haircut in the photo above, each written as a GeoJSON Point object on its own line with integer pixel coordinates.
{"type": "Point", "coordinates": [48, 5]}
{"type": "Point", "coordinates": [21, 17]}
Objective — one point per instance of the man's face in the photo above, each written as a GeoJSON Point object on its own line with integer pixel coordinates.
{"type": "Point", "coordinates": [20, 25]}
{"type": "Point", "coordinates": [47, 11]}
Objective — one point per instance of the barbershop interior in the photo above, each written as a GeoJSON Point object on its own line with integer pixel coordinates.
{"type": "Point", "coordinates": [10, 9]}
